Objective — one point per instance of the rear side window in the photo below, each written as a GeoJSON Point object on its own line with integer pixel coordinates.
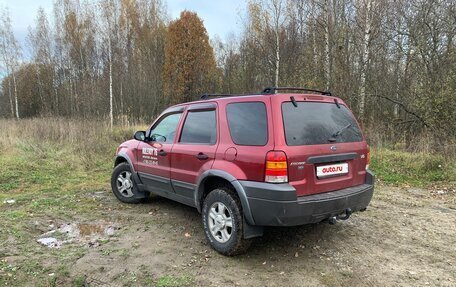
{"type": "Point", "coordinates": [248, 123]}
{"type": "Point", "coordinates": [318, 123]}
{"type": "Point", "coordinates": [199, 128]}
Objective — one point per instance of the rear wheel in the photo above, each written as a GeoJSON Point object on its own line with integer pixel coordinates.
{"type": "Point", "coordinates": [123, 185]}
{"type": "Point", "coordinates": [222, 222]}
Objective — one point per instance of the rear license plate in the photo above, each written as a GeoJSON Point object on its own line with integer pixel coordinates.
{"type": "Point", "coordinates": [332, 170]}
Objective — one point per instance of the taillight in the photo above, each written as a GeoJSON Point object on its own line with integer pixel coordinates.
{"type": "Point", "coordinates": [368, 157]}
{"type": "Point", "coordinates": [276, 167]}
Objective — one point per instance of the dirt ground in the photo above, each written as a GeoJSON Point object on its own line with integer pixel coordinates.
{"type": "Point", "coordinates": [405, 238]}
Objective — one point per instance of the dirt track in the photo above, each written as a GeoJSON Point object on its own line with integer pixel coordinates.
{"type": "Point", "coordinates": [406, 237]}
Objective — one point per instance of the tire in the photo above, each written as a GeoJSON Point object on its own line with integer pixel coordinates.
{"type": "Point", "coordinates": [123, 186]}
{"type": "Point", "coordinates": [222, 208]}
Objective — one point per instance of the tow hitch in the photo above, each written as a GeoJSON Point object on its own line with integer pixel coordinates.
{"type": "Point", "coordinates": [343, 216]}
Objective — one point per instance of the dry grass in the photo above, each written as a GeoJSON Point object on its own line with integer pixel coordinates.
{"type": "Point", "coordinates": [425, 142]}
{"type": "Point", "coordinates": [81, 135]}
{"type": "Point", "coordinates": [91, 142]}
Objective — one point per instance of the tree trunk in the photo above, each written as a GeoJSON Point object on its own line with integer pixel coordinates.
{"type": "Point", "coordinates": [10, 97]}
{"type": "Point", "coordinates": [327, 65]}
{"type": "Point", "coordinates": [398, 73]}
{"type": "Point", "coordinates": [314, 41]}
{"type": "Point", "coordinates": [365, 59]}
{"type": "Point", "coordinates": [111, 116]}
{"type": "Point", "coordinates": [277, 11]}
{"type": "Point", "coordinates": [121, 99]}
{"type": "Point", "coordinates": [277, 66]}
{"type": "Point", "coordinates": [15, 95]}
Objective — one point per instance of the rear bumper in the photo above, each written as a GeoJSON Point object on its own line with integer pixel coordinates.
{"type": "Point", "coordinates": [277, 204]}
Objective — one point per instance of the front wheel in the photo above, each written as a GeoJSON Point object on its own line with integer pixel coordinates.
{"type": "Point", "coordinates": [222, 222]}
{"type": "Point", "coordinates": [123, 185]}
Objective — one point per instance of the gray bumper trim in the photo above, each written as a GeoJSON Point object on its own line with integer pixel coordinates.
{"type": "Point", "coordinates": [276, 209]}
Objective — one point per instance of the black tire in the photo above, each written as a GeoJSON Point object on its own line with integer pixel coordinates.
{"type": "Point", "coordinates": [236, 244]}
{"type": "Point", "coordinates": [130, 195]}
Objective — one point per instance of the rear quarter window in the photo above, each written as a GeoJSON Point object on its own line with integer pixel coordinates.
{"type": "Point", "coordinates": [312, 123]}
{"type": "Point", "coordinates": [248, 123]}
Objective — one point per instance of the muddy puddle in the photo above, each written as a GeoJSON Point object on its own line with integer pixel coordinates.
{"type": "Point", "coordinates": [90, 234]}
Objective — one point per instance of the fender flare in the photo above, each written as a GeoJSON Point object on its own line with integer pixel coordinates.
{"type": "Point", "coordinates": [125, 156]}
{"type": "Point", "coordinates": [231, 179]}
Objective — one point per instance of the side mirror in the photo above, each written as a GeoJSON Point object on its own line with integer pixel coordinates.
{"type": "Point", "coordinates": [140, 135]}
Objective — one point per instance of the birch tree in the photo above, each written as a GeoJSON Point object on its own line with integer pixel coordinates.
{"type": "Point", "coordinates": [10, 53]}
{"type": "Point", "coordinates": [110, 16]}
{"type": "Point", "coordinates": [365, 55]}
{"type": "Point", "coordinates": [327, 62]}
{"type": "Point", "coordinates": [40, 44]}
{"type": "Point", "coordinates": [276, 8]}
{"type": "Point", "coordinates": [267, 19]}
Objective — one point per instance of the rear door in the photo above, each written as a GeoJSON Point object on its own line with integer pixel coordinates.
{"type": "Point", "coordinates": [325, 148]}
{"type": "Point", "coordinates": [194, 151]}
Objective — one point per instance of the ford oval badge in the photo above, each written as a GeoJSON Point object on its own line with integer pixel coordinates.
{"type": "Point", "coordinates": [333, 148]}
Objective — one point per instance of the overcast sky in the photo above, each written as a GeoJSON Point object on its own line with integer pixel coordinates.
{"type": "Point", "coordinates": [220, 17]}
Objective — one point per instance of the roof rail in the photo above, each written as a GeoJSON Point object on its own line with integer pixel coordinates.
{"type": "Point", "coordinates": [272, 90]}
{"type": "Point", "coordinates": [207, 96]}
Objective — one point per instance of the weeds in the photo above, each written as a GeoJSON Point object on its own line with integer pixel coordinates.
{"type": "Point", "coordinates": [174, 281]}
{"type": "Point", "coordinates": [422, 169]}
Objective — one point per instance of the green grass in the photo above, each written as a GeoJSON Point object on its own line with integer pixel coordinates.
{"type": "Point", "coordinates": [174, 281]}
{"type": "Point", "coordinates": [406, 168]}
{"type": "Point", "coordinates": [80, 281]}
{"type": "Point", "coordinates": [49, 179]}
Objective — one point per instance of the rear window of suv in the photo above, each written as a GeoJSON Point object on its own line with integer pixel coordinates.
{"type": "Point", "coordinates": [248, 123]}
{"type": "Point", "coordinates": [199, 128]}
{"type": "Point", "coordinates": [312, 123]}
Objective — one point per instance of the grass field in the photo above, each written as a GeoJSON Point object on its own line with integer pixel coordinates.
{"type": "Point", "coordinates": [56, 171]}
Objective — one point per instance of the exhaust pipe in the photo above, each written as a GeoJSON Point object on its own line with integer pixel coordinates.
{"type": "Point", "coordinates": [343, 216]}
{"type": "Point", "coordinates": [332, 220]}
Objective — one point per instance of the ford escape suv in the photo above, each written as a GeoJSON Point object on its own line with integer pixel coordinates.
{"type": "Point", "coordinates": [283, 157]}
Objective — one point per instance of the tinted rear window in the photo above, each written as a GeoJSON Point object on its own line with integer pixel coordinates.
{"type": "Point", "coordinates": [315, 123]}
{"type": "Point", "coordinates": [199, 128]}
{"type": "Point", "coordinates": [248, 123]}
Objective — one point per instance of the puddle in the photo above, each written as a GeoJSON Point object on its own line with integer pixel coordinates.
{"type": "Point", "coordinates": [80, 233]}
{"type": "Point", "coordinates": [50, 242]}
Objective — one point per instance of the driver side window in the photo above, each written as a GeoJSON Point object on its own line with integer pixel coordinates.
{"type": "Point", "coordinates": [165, 130]}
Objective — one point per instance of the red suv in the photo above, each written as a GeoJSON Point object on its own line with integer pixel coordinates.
{"type": "Point", "coordinates": [249, 161]}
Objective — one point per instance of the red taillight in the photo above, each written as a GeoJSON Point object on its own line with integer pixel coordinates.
{"type": "Point", "coordinates": [276, 167]}
{"type": "Point", "coordinates": [368, 157]}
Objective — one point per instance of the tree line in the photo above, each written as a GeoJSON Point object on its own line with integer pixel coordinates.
{"type": "Point", "coordinates": [393, 62]}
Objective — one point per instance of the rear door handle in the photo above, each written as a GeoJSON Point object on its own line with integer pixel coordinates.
{"type": "Point", "coordinates": [202, 156]}
{"type": "Point", "coordinates": [162, 153]}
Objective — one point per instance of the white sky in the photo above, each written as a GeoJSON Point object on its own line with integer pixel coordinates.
{"type": "Point", "coordinates": [221, 17]}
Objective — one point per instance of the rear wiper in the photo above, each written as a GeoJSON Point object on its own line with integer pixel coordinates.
{"type": "Point", "coordinates": [338, 133]}
{"type": "Point", "coordinates": [293, 101]}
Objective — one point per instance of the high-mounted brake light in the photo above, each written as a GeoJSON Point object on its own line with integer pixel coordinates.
{"type": "Point", "coordinates": [276, 167]}
{"type": "Point", "coordinates": [368, 157]}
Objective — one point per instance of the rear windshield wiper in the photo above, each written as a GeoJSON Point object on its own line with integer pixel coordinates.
{"type": "Point", "coordinates": [338, 133]}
